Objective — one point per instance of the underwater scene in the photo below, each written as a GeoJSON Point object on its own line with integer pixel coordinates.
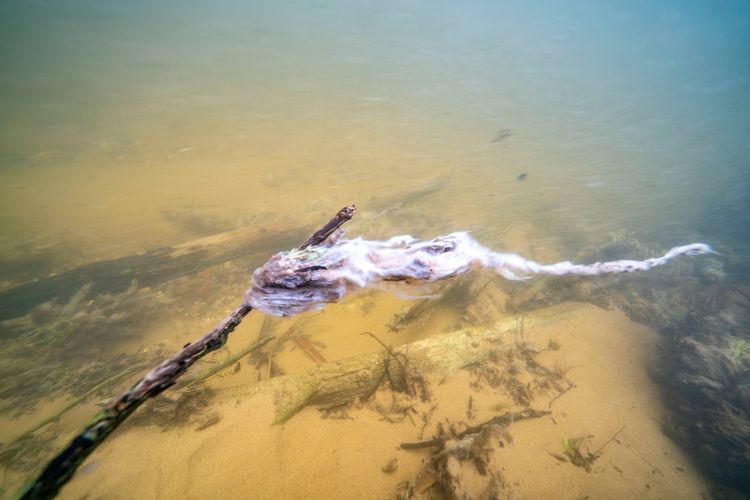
{"type": "Point", "coordinates": [510, 311]}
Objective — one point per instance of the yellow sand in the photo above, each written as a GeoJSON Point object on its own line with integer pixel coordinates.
{"type": "Point", "coordinates": [243, 456]}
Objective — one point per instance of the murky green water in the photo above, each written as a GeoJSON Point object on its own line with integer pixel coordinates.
{"type": "Point", "coordinates": [544, 128]}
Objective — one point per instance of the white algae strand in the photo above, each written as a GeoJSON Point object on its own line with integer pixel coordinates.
{"type": "Point", "coordinates": [305, 280]}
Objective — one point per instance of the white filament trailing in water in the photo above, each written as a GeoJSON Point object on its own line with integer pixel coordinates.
{"type": "Point", "coordinates": [304, 280]}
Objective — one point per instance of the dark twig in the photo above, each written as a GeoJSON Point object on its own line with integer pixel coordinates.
{"type": "Point", "coordinates": [386, 347]}
{"type": "Point", "coordinates": [386, 372]}
{"type": "Point", "coordinates": [230, 360]}
{"type": "Point", "coordinates": [426, 419]}
{"type": "Point", "coordinates": [504, 419]}
{"type": "Point", "coordinates": [323, 233]}
{"type": "Point", "coordinates": [571, 386]}
{"type": "Point", "coordinates": [598, 452]}
{"type": "Point", "coordinates": [61, 468]}
{"type": "Point", "coordinates": [403, 366]}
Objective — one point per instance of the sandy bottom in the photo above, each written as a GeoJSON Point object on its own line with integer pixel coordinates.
{"type": "Point", "coordinates": [242, 455]}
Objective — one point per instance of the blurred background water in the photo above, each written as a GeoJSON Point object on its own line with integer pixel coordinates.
{"type": "Point", "coordinates": [131, 126]}
{"type": "Point", "coordinates": [636, 116]}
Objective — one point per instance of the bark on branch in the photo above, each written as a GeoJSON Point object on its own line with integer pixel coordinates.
{"type": "Point", "coordinates": [61, 468]}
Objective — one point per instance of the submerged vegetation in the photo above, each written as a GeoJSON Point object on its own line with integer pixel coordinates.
{"type": "Point", "coordinates": [703, 314]}
{"type": "Point", "coordinates": [738, 349]}
{"type": "Point", "coordinates": [40, 347]}
{"type": "Point", "coordinates": [84, 350]}
{"type": "Point", "coordinates": [672, 300]}
{"type": "Point", "coordinates": [572, 450]}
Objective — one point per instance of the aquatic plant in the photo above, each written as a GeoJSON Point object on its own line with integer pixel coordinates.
{"type": "Point", "coordinates": [738, 348]}
{"type": "Point", "coordinates": [703, 369]}
{"type": "Point", "coordinates": [561, 367]}
{"type": "Point", "coordinates": [572, 450]}
{"type": "Point", "coordinates": [500, 406]}
{"type": "Point", "coordinates": [712, 271]}
{"type": "Point", "coordinates": [38, 348]}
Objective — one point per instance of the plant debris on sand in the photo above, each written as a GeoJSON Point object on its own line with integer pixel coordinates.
{"type": "Point", "coordinates": [703, 314]}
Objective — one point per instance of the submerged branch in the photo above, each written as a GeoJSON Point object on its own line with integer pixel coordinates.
{"type": "Point", "coordinates": [504, 420]}
{"type": "Point", "coordinates": [60, 469]}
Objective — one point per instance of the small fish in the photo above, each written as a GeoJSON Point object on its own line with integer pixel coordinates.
{"type": "Point", "coordinates": [522, 177]}
{"type": "Point", "coordinates": [502, 134]}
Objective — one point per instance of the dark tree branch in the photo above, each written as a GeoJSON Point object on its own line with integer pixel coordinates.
{"type": "Point", "coordinates": [504, 419]}
{"type": "Point", "coordinates": [323, 233]}
{"type": "Point", "coordinates": [61, 468]}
